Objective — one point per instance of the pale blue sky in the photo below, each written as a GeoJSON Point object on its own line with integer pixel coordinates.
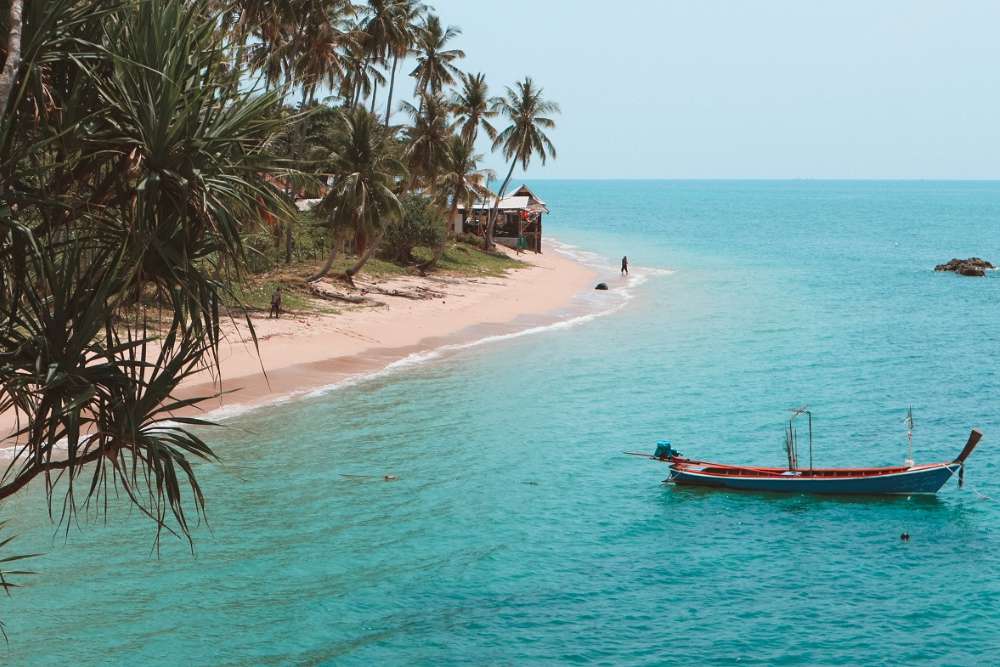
{"type": "Point", "coordinates": [764, 89]}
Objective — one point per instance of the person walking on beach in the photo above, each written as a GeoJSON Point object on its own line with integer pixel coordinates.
{"type": "Point", "coordinates": [275, 304]}
{"type": "Point", "coordinates": [625, 266]}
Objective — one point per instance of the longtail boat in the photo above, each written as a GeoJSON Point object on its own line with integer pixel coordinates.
{"type": "Point", "coordinates": [906, 479]}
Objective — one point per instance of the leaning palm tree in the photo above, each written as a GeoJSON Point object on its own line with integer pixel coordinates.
{"type": "Point", "coordinates": [435, 62]}
{"type": "Point", "coordinates": [361, 199]}
{"type": "Point", "coordinates": [471, 106]}
{"type": "Point", "coordinates": [525, 138]}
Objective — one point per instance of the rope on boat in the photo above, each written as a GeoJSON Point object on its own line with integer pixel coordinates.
{"type": "Point", "coordinates": [981, 496]}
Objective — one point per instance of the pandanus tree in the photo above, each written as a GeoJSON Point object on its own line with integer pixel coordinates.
{"type": "Point", "coordinates": [524, 138]}
{"type": "Point", "coordinates": [131, 159]}
{"type": "Point", "coordinates": [472, 108]}
{"type": "Point", "coordinates": [362, 198]}
{"type": "Point", "coordinates": [435, 61]}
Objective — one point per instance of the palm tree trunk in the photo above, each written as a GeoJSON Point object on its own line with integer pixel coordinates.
{"type": "Point", "coordinates": [488, 244]}
{"type": "Point", "coordinates": [448, 224]}
{"type": "Point", "coordinates": [13, 62]}
{"type": "Point", "coordinates": [392, 82]}
{"type": "Point", "coordinates": [374, 95]}
{"type": "Point", "coordinates": [331, 258]}
{"type": "Point", "coordinates": [360, 242]}
{"type": "Point", "coordinates": [362, 260]}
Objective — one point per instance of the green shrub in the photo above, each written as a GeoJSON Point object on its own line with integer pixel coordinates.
{"type": "Point", "coordinates": [422, 225]}
{"type": "Point", "coordinates": [471, 239]}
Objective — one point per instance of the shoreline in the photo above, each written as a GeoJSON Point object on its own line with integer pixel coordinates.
{"type": "Point", "coordinates": [302, 353]}
{"type": "Point", "coordinates": [347, 347]}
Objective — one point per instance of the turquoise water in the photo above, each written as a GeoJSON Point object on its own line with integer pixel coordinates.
{"type": "Point", "coordinates": [518, 533]}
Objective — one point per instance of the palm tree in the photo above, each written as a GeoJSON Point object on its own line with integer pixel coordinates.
{"type": "Point", "coordinates": [380, 31]}
{"type": "Point", "coordinates": [362, 198]}
{"type": "Point", "coordinates": [460, 179]}
{"type": "Point", "coordinates": [318, 48]}
{"type": "Point", "coordinates": [361, 76]}
{"type": "Point", "coordinates": [400, 41]}
{"type": "Point", "coordinates": [528, 113]}
{"type": "Point", "coordinates": [435, 68]}
{"type": "Point", "coordinates": [471, 106]}
{"type": "Point", "coordinates": [426, 138]}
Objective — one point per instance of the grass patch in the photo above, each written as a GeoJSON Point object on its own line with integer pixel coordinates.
{"type": "Point", "coordinates": [256, 295]}
{"type": "Point", "coordinates": [459, 259]}
{"type": "Point", "coordinates": [470, 260]}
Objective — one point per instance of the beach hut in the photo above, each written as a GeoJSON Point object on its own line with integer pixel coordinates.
{"type": "Point", "coordinates": [519, 219]}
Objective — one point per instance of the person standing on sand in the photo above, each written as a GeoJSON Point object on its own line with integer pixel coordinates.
{"type": "Point", "coordinates": [625, 266]}
{"type": "Point", "coordinates": [275, 304]}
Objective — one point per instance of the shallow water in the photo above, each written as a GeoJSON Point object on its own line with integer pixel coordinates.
{"type": "Point", "coordinates": [518, 533]}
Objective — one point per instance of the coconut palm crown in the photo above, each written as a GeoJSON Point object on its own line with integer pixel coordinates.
{"type": "Point", "coordinates": [435, 62]}
{"type": "Point", "coordinates": [472, 107]}
{"type": "Point", "coordinates": [362, 197]}
{"type": "Point", "coordinates": [529, 115]}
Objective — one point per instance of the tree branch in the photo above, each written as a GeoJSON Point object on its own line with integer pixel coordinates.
{"type": "Point", "coordinates": [25, 476]}
{"type": "Point", "coordinates": [13, 63]}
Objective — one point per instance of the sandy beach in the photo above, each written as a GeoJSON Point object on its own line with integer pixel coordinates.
{"type": "Point", "coordinates": [303, 351]}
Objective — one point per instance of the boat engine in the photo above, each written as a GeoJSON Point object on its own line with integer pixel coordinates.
{"type": "Point", "coordinates": [664, 451]}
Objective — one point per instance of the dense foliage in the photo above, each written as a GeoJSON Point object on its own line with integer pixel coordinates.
{"type": "Point", "coordinates": [151, 152]}
{"type": "Point", "coordinates": [419, 225]}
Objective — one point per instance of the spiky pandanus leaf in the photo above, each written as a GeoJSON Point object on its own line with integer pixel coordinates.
{"type": "Point", "coordinates": [132, 163]}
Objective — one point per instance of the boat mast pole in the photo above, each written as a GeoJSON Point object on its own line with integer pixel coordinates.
{"type": "Point", "coordinates": [793, 459]}
{"type": "Point", "coordinates": [909, 437]}
{"type": "Point", "coordinates": [810, 440]}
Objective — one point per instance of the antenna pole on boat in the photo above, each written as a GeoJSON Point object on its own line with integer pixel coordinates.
{"type": "Point", "coordinates": [909, 437]}
{"type": "Point", "coordinates": [810, 440]}
{"type": "Point", "coordinates": [792, 456]}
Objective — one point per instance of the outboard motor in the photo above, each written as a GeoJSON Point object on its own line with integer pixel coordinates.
{"type": "Point", "coordinates": [664, 451]}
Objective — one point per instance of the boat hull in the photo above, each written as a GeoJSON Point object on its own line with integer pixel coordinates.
{"type": "Point", "coordinates": [923, 479]}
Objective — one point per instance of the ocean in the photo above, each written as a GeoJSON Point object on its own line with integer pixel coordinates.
{"type": "Point", "coordinates": [518, 532]}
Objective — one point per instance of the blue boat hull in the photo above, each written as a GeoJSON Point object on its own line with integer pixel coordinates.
{"type": "Point", "coordinates": [921, 480]}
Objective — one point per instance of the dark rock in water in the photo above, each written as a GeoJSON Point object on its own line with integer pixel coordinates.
{"type": "Point", "coordinates": [601, 286]}
{"type": "Point", "coordinates": [973, 266]}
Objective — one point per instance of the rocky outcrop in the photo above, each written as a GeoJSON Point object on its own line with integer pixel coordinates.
{"type": "Point", "coordinates": [601, 286]}
{"type": "Point", "coordinates": [973, 266]}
